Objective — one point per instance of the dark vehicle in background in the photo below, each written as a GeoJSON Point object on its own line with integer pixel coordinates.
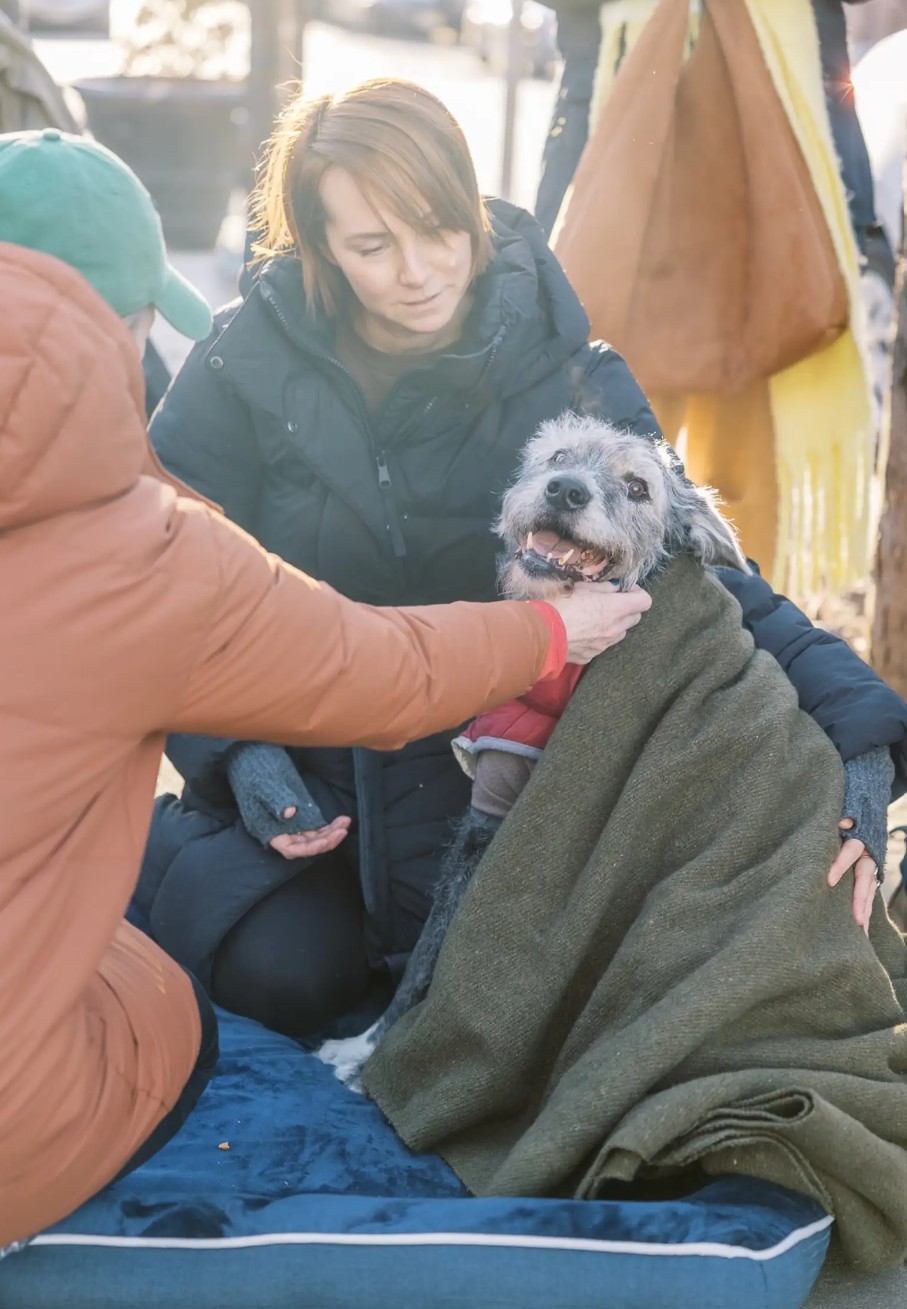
{"type": "Point", "coordinates": [486, 27]}
{"type": "Point", "coordinates": [416, 18]}
{"type": "Point", "coordinates": [63, 17]}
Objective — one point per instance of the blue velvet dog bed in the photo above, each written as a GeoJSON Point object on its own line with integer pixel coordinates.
{"type": "Point", "coordinates": [317, 1204]}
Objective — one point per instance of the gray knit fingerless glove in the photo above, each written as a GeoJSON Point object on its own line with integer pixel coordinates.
{"type": "Point", "coordinates": [868, 779]}
{"type": "Point", "coordinates": [264, 783]}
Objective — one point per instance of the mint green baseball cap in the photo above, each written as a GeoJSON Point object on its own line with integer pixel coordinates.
{"type": "Point", "coordinates": [73, 198]}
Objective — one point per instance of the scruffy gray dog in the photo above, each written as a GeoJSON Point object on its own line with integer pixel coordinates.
{"type": "Point", "coordinates": [588, 504]}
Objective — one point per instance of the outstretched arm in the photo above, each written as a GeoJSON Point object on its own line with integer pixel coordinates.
{"type": "Point", "coordinates": [282, 657]}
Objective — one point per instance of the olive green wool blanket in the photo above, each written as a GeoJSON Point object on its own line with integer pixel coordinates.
{"type": "Point", "coordinates": [649, 972]}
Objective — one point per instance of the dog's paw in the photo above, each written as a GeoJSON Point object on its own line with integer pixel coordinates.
{"type": "Point", "coordinates": [348, 1057]}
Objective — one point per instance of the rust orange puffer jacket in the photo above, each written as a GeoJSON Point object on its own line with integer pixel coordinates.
{"type": "Point", "coordinates": [130, 611]}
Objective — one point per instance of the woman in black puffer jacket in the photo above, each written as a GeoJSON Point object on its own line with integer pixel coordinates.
{"type": "Point", "coordinates": [360, 412]}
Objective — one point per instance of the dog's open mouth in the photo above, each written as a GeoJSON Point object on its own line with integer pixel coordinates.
{"type": "Point", "coordinates": [546, 550]}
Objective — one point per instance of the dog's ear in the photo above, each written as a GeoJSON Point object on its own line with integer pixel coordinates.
{"type": "Point", "coordinates": [710, 538]}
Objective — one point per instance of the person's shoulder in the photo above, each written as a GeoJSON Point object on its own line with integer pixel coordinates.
{"type": "Point", "coordinates": [272, 278]}
{"type": "Point", "coordinates": [507, 214]}
{"type": "Point", "coordinates": [522, 250]}
{"type": "Point", "coordinates": [270, 309]}
{"type": "Point", "coordinates": [222, 320]}
{"type": "Point", "coordinates": [236, 326]}
{"type": "Point", "coordinates": [510, 222]}
{"type": "Point", "coordinates": [224, 316]}
{"type": "Point", "coordinates": [226, 319]}
{"type": "Point", "coordinates": [608, 388]}
{"type": "Point", "coordinates": [604, 365]}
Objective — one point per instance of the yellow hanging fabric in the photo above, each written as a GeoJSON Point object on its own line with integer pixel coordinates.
{"type": "Point", "coordinates": [821, 407]}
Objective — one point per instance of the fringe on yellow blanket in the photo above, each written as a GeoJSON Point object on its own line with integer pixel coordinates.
{"type": "Point", "coordinates": [817, 425]}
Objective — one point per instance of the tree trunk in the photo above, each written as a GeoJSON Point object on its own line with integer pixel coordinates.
{"type": "Point", "coordinates": [277, 29]}
{"type": "Point", "coordinates": [889, 629]}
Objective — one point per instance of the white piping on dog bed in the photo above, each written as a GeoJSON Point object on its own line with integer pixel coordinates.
{"type": "Point", "coordinates": [700, 1248]}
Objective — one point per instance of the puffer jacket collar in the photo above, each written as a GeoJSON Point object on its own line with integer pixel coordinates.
{"type": "Point", "coordinates": [525, 323]}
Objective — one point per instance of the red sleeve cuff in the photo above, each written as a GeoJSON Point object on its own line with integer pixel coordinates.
{"type": "Point", "coordinates": [557, 647]}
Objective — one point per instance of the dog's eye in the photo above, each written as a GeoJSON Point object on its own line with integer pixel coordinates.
{"type": "Point", "coordinates": [558, 457]}
{"type": "Point", "coordinates": [637, 489]}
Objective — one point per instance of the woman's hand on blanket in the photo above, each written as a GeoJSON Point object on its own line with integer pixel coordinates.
{"type": "Point", "coordinates": [597, 617]}
{"type": "Point", "coordinates": [865, 883]}
{"type": "Point", "coordinates": [303, 845]}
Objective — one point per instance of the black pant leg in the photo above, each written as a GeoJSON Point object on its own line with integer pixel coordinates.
{"type": "Point", "coordinates": [297, 961]}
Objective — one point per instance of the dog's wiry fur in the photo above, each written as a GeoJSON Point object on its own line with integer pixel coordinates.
{"type": "Point", "coordinates": [607, 507]}
{"type": "Point", "coordinates": [471, 840]}
{"type": "Point", "coordinates": [639, 536]}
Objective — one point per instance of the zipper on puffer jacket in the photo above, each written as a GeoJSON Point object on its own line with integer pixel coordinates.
{"type": "Point", "coordinates": [413, 426]}
{"type": "Point", "coordinates": [385, 486]}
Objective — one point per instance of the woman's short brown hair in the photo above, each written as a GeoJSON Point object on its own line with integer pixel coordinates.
{"type": "Point", "coordinates": [404, 149]}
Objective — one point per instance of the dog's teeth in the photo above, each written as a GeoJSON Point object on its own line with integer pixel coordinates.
{"type": "Point", "coordinates": [548, 556]}
{"type": "Point", "coordinates": [529, 541]}
{"type": "Point", "coordinates": [565, 559]}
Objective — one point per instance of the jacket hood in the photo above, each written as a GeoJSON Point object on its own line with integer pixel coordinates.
{"type": "Point", "coordinates": [72, 418]}
{"type": "Point", "coordinates": [525, 298]}
{"type": "Point", "coordinates": [525, 323]}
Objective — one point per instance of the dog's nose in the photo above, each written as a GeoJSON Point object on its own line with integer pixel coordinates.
{"type": "Point", "coordinates": [567, 493]}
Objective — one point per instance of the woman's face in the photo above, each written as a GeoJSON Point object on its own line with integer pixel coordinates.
{"type": "Point", "coordinates": [410, 284]}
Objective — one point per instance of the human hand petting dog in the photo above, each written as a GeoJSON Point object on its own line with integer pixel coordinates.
{"type": "Point", "coordinates": [273, 802]}
{"type": "Point", "coordinates": [597, 617]}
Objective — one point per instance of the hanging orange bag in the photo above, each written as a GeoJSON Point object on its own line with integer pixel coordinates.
{"type": "Point", "coordinates": [692, 232]}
